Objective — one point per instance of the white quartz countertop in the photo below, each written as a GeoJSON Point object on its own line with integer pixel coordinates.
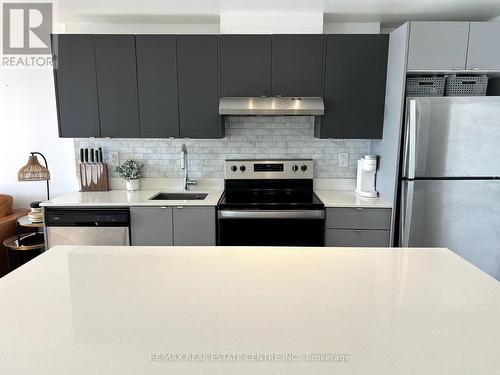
{"type": "Point", "coordinates": [209, 310]}
{"type": "Point", "coordinates": [348, 198]}
{"type": "Point", "coordinates": [118, 198]}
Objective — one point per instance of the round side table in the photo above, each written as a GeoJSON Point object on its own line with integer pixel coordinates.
{"type": "Point", "coordinates": [23, 247]}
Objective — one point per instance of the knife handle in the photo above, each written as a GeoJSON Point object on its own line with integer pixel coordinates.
{"type": "Point", "coordinates": [100, 154]}
{"type": "Point", "coordinates": [86, 155]}
{"type": "Point", "coordinates": [81, 155]}
{"type": "Point", "coordinates": [91, 155]}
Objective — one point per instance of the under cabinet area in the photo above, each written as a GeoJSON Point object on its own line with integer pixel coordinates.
{"type": "Point", "coordinates": [167, 226]}
{"type": "Point", "coordinates": [358, 227]}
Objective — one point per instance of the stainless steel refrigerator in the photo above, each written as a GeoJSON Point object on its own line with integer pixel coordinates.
{"type": "Point", "coordinates": [450, 186]}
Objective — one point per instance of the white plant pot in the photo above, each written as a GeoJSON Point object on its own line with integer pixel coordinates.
{"type": "Point", "coordinates": [132, 185]}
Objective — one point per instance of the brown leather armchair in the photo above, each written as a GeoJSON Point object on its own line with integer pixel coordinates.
{"type": "Point", "coordinates": [8, 218]}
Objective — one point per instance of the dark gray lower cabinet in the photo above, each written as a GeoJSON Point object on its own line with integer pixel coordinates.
{"type": "Point", "coordinates": [358, 218]}
{"type": "Point", "coordinates": [167, 226]}
{"type": "Point", "coordinates": [157, 85]}
{"type": "Point", "coordinates": [363, 227]}
{"type": "Point", "coordinates": [198, 77]}
{"type": "Point", "coordinates": [357, 237]}
{"type": "Point", "coordinates": [151, 226]}
{"type": "Point", "coordinates": [354, 86]}
{"type": "Point", "coordinates": [76, 85]}
{"type": "Point", "coordinates": [117, 85]}
{"type": "Point", "coordinates": [194, 226]}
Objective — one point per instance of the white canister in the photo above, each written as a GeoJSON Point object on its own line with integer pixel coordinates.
{"type": "Point", "coordinates": [132, 185]}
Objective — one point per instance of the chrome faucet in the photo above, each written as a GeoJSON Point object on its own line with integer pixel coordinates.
{"type": "Point", "coordinates": [184, 165]}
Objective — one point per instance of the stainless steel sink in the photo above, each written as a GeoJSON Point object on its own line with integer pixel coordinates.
{"type": "Point", "coordinates": [179, 196]}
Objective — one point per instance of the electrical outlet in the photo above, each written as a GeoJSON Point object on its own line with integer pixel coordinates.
{"type": "Point", "coordinates": [343, 160]}
{"type": "Point", "coordinates": [114, 158]}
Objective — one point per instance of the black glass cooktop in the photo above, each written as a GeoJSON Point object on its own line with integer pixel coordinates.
{"type": "Point", "coordinates": [270, 199]}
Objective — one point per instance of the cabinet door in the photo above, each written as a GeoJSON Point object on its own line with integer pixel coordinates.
{"type": "Point", "coordinates": [437, 45]}
{"type": "Point", "coordinates": [357, 238]}
{"type": "Point", "coordinates": [117, 85]}
{"type": "Point", "coordinates": [358, 218]}
{"type": "Point", "coordinates": [157, 85]}
{"type": "Point", "coordinates": [354, 93]}
{"type": "Point", "coordinates": [483, 52]}
{"type": "Point", "coordinates": [76, 86]}
{"type": "Point", "coordinates": [297, 68]}
{"type": "Point", "coordinates": [245, 65]}
{"type": "Point", "coordinates": [198, 74]}
{"type": "Point", "coordinates": [151, 226]}
{"type": "Point", "coordinates": [194, 226]}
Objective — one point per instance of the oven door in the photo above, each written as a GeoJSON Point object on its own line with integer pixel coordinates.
{"type": "Point", "coordinates": [271, 228]}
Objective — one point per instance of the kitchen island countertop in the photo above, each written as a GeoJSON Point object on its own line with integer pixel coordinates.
{"type": "Point", "coordinates": [222, 310]}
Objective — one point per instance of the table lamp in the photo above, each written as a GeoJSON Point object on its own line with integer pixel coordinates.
{"type": "Point", "coordinates": [34, 171]}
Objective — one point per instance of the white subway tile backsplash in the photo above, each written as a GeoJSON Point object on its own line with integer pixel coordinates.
{"type": "Point", "coordinates": [278, 137]}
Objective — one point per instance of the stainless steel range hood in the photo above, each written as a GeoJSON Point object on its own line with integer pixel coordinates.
{"type": "Point", "coordinates": [271, 106]}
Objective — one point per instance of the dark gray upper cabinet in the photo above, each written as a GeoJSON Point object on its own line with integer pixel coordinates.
{"type": "Point", "coordinates": [437, 45]}
{"type": "Point", "coordinates": [354, 92]}
{"type": "Point", "coordinates": [117, 85]}
{"type": "Point", "coordinates": [245, 65]}
{"type": "Point", "coordinates": [297, 65]}
{"type": "Point", "coordinates": [157, 85]}
{"type": "Point", "coordinates": [483, 52]}
{"type": "Point", "coordinates": [76, 86]}
{"type": "Point", "coordinates": [198, 75]}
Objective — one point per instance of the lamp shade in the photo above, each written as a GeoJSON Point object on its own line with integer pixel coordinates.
{"type": "Point", "coordinates": [33, 171]}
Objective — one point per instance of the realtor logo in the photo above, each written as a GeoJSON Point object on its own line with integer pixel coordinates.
{"type": "Point", "coordinates": [27, 28]}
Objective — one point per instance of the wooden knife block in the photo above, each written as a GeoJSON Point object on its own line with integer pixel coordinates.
{"type": "Point", "coordinates": [94, 177]}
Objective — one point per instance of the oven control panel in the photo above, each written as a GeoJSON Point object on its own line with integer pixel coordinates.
{"type": "Point", "coordinates": [269, 169]}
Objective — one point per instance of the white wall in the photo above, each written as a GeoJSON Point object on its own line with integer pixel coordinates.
{"type": "Point", "coordinates": [28, 122]}
{"type": "Point", "coordinates": [351, 27]}
{"type": "Point", "coordinates": [141, 28]}
{"type": "Point", "coordinates": [271, 23]}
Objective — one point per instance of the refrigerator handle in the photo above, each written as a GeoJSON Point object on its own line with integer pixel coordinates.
{"type": "Point", "coordinates": [405, 142]}
{"type": "Point", "coordinates": [411, 138]}
{"type": "Point", "coordinates": [406, 212]}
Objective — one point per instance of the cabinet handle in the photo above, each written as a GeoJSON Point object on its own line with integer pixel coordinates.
{"type": "Point", "coordinates": [357, 230]}
{"type": "Point", "coordinates": [457, 68]}
{"type": "Point", "coordinates": [359, 208]}
{"type": "Point", "coordinates": [180, 207]}
{"type": "Point", "coordinates": [476, 68]}
{"type": "Point", "coordinates": [163, 207]}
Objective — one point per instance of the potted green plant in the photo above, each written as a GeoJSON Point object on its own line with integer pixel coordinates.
{"type": "Point", "coordinates": [131, 172]}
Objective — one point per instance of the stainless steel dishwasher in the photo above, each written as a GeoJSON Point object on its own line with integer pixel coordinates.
{"type": "Point", "coordinates": [92, 226]}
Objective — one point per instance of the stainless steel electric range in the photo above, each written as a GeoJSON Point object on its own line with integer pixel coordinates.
{"type": "Point", "coordinates": [270, 203]}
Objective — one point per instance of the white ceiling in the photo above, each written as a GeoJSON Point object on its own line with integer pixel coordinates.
{"type": "Point", "coordinates": [385, 11]}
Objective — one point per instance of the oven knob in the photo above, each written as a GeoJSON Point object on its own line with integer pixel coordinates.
{"type": "Point", "coordinates": [234, 168]}
{"type": "Point", "coordinates": [243, 168]}
{"type": "Point", "coordinates": [304, 168]}
{"type": "Point", "coordinates": [295, 168]}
